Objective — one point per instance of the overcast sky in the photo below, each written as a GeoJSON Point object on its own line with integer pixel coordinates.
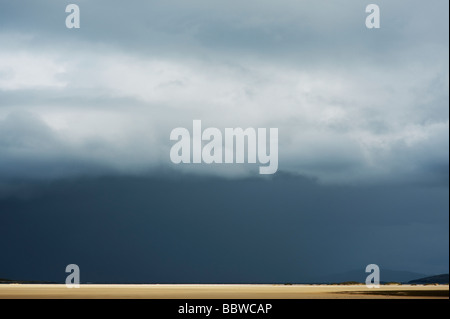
{"type": "Point", "coordinates": [351, 104]}
{"type": "Point", "coordinates": [354, 107]}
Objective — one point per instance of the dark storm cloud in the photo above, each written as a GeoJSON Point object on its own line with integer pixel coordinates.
{"type": "Point", "coordinates": [197, 230]}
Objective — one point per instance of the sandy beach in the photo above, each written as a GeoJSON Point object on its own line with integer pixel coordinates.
{"type": "Point", "coordinates": [19, 291]}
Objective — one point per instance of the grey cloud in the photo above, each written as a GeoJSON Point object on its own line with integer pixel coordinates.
{"type": "Point", "coordinates": [31, 150]}
{"type": "Point", "coordinates": [259, 27]}
{"type": "Point", "coordinates": [352, 105]}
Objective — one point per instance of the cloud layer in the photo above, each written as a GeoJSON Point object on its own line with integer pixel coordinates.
{"type": "Point", "coordinates": [351, 104]}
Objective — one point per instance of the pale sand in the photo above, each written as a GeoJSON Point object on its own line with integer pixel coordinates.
{"type": "Point", "coordinates": [206, 291]}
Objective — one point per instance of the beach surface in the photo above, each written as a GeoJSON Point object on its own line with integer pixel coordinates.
{"type": "Point", "coordinates": [49, 291]}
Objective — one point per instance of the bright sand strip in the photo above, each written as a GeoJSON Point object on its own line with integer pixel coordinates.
{"type": "Point", "coordinates": [207, 291]}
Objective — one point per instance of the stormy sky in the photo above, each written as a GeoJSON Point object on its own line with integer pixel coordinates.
{"type": "Point", "coordinates": [86, 115]}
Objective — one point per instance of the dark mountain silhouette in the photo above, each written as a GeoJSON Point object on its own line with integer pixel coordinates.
{"type": "Point", "coordinates": [439, 279]}
{"type": "Point", "coordinates": [386, 275]}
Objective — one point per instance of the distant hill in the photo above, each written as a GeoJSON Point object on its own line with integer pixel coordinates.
{"type": "Point", "coordinates": [10, 281]}
{"type": "Point", "coordinates": [360, 276]}
{"type": "Point", "coordinates": [439, 279]}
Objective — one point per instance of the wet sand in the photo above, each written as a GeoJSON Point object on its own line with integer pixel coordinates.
{"type": "Point", "coordinates": [14, 291]}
